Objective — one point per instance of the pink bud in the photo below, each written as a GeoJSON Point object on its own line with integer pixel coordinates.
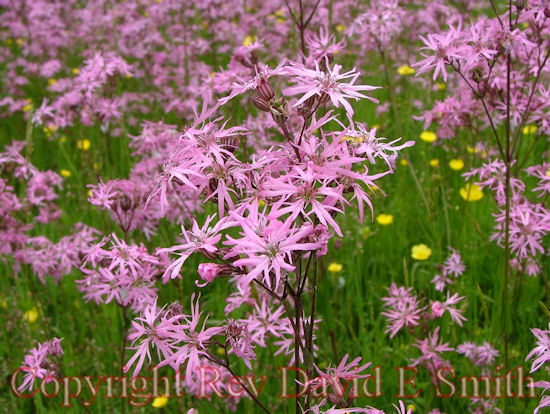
{"type": "Point", "coordinates": [208, 271]}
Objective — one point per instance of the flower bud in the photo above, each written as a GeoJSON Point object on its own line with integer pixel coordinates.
{"type": "Point", "coordinates": [547, 12]}
{"type": "Point", "coordinates": [208, 271]}
{"type": "Point", "coordinates": [265, 90]}
{"type": "Point", "coordinates": [324, 98]}
{"type": "Point", "coordinates": [520, 4]}
{"type": "Point", "coordinates": [226, 270]}
{"type": "Point", "coordinates": [261, 104]}
{"type": "Point", "coordinates": [310, 102]}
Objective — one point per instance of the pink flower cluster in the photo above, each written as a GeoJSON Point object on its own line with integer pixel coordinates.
{"type": "Point", "coordinates": [40, 194]}
{"type": "Point", "coordinates": [41, 363]}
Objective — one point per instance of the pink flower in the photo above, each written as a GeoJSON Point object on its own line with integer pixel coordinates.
{"type": "Point", "coordinates": [331, 84]}
{"type": "Point", "coordinates": [438, 309]}
{"type": "Point", "coordinates": [344, 371]}
{"type": "Point", "coordinates": [38, 363]}
{"type": "Point", "coordinates": [402, 309]}
{"type": "Point", "coordinates": [153, 329]}
{"type": "Point", "coordinates": [199, 238]}
{"type": "Point", "coordinates": [193, 341]}
{"type": "Point", "coordinates": [267, 246]}
{"type": "Point", "coordinates": [541, 352]}
{"type": "Point", "coordinates": [445, 50]}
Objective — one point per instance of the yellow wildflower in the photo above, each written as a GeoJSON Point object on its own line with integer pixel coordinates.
{"type": "Point", "coordinates": [83, 144]}
{"type": "Point", "coordinates": [248, 40]}
{"type": "Point", "coordinates": [405, 70]}
{"type": "Point", "coordinates": [428, 136]}
{"type": "Point", "coordinates": [456, 164]}
{"type": "Point", "coordinates": [335, 267]}
{"type": "Point", "coordinates": [434, 163]}
{"type": "Point", "coordinates": [384, 219]}
{"type": "Point", "coordinates": [471, 192]}
{"type": "Point", "coordinates": [160, 402]}
{"type": "Point", "coordinates": [31, 315]}
{"type": "Point", "coordinates": [529, 129]}
{"type": "Point", "coordinates": [420, 252]}
{"type": "Point", "coordinates": [49, 129]}
{"type": "Point", "coordinates": [441, 86]}
{"type": "Point", "coordinates": [75, 71]}
{"type": "Point", "coordinates": [340, 28]}
{"type": "Point", "coordinates": [65, 173]}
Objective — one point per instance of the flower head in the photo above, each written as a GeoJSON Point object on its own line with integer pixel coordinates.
{"type": "Point", "coordinates": [456, 164]}
{"type": "Point", "coordinates": [428, 136]}
{"type": "Point", "coordinates": [420, 252]}
{"type": "Point", "coordinates": [471, 192]}
{"type": "Point", "coordinates": [384, 219]}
